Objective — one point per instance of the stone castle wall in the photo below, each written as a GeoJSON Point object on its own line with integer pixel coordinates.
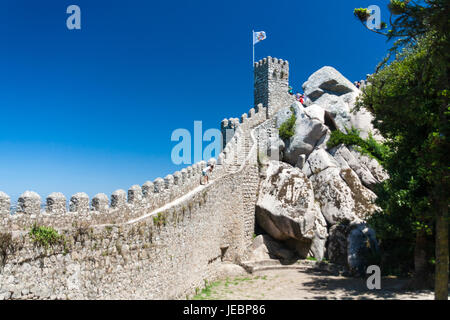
{"type": "Point", "coordinates": [160, 256]}
{"type": "Point", "coordinates": [160, 240]}
{"type": "Point", "coordinates": [141, 244]}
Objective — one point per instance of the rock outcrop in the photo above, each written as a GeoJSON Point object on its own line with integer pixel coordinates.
{"type": "Point", "coordinates": [326, 80]}
{"type": "Point", "coordinates": [287, 211]}
{"type": "Point", "coordinates": [347, 160]}
{"type": "Point", "coordinates": [308, 132]}
{"type": "Point", "coordinates": [351, 244]}
{"type": "Point", "coordinates": [335, 94]}
{"type": "Point", "coordinates": [265, 247]}
{"type": "Point", "coordinates": [315, 195]}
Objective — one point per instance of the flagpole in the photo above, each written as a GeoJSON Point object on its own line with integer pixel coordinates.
{"type": "Point", "coordinates": [253, 45]}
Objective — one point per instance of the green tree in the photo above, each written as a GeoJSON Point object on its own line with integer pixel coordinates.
{"type": "Point", "coordinates": [409, 20]}
{"type": "Point", "coordinates": [409, 99]}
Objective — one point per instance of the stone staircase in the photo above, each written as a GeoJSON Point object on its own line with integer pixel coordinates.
{"type": "Point", "coordinates": [303, 265]}
{"type": "Point", "coordinates": [240, 157]}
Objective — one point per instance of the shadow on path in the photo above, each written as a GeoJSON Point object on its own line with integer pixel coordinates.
{"type": "Point", "coordinates": [323, 285]}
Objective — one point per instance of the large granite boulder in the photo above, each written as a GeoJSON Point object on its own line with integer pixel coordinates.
{"type": "Point", "coordinates": [320, 160]}
{"type": "Point", "coordinates": [315, 111]}
{"type": "Point", "coordinates": [265, 247]}
{"type": "Point", "coordinates": [337, 95]}
{"type": "Point", "coordinates": [337, 108]}
{"type": "Point", "coordinates": [308, 131]}
{"type": "Point", "coordinates": [337, 244]}
{"type": "Point", "coordinates": [371, 164]}
{"type": "Point", "coordinates": [369, 170]}
{"type": "Point", "coordinates": [341, 195]}
{"type": "Point", "coordinates": [287, 211]}
{"type": "Point", "coordinates": [334, 195]}
{"type": "Point", "coordinates": [347, 160]}
{"type": "Point", "coordinates": [362, 120]}
{"type": "Point", "coordinates": [338, 189]}
{"type": "Point", "coordinates": [285, 113]}
{"type": "Point", "coordinates": [352, 244]}
{"type": "Point", "coordinates": [327, 79]}
{"type": "Point", "coordinates": [333, 92]}
{"type": "Point", "coordinates": [363, 198]}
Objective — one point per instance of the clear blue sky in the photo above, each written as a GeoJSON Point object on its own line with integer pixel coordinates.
{"type": "Point", "coordinates": [93, 109]}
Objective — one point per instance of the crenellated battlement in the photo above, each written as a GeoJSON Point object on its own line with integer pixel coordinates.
{"type": "Point", "coordinates": [59, 211]}
{"type": "Point", "coordinates": [122, 205]}
{"type": "Point", "coordinates": [174, 230]}
{"type": "Point", "coordinates": [247, 120]}
{"type": "Point", "coordinates": [269, 60]}
{"type": "Point", "coordinates": [271, 84]}
{"type": "Point", "coordinates": [5, 203]}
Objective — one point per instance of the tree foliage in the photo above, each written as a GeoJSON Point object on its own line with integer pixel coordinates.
{"type": "Point", "coordinates": [409, 100]}
{"type": "Point", "coordinates": [362, 13]}
{"type": "Point", "coordinates": [409, 20]}
{"type": "Point", "coordinates": [406, 103]}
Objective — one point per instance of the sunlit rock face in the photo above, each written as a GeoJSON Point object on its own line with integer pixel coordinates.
{"type": "Point", "coordinates": [287, 211]}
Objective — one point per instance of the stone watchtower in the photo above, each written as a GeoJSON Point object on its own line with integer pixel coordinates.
{"type": "Point", "coordinates": [271, 84]}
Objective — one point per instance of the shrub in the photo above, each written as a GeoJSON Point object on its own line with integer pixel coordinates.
{"type": "Point", "coordinates": [369, 147]}
{"type": "Point", "coordinates": [350, 138]}
{"type": "Point", "coordinates": [160, 219]}
{"type": "Point", "coordinates": [45, 236]}
{"type": "Point", "coordinates": [287, 129]}
{"type": "Point", "coordinates": [375, 149]}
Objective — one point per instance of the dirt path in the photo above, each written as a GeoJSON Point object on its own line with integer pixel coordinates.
{"type": "Point", "coordinates": [299, 285]}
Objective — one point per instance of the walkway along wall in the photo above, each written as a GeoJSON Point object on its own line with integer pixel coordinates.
{"type": "Point", "coordinates": [159, 241]}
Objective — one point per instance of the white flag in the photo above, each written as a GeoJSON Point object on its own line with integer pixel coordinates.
{"type": "Point", "coordinates": [258, 36]}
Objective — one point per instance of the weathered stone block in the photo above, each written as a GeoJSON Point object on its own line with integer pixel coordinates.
{"type": "Point", "coordinates": [135, 194]}
{"type": "Point", "coordinates": [56, 203]}
{"type": "Point", "coordinates": [100, 203]}
{"type": "Point", "coordinates": [5, 203]}
{"type": "Point", "coordinates": [159, 185]}
{"type": "Point", "coordinates": [190, 171]}
{"type": "Point", "coordinates": [184, 175]}
{"type": "Point", "coordinates": [168, 181]}
{"type": "Point", "coordinates": [79, 203]}
{"type": "Point", "coordinates": [177, 178]}
{"type": "Point", "coordinates": [148, 189]}
{"type": "Point", "coordinates": [118, 199]}
{"type": "Point", "coordinates": [29, 203]}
